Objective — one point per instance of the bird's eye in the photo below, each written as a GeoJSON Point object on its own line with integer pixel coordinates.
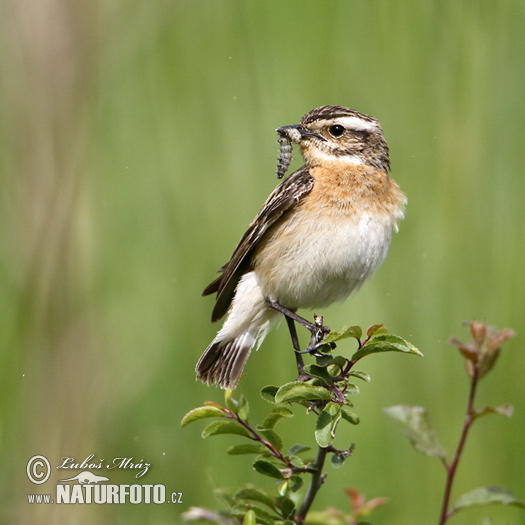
{"type": "Point", "coordinates": [336, 131]}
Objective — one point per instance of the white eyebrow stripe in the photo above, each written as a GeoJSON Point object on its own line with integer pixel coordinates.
{"type": "Point", "coordinates": [355, 123]}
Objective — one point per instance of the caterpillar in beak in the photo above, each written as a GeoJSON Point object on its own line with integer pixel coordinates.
{"type": "Point", "coordinates": [285, 155]}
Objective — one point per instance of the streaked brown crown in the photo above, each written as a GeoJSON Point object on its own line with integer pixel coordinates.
{"type": "Point", "coordinates": [332, 112]}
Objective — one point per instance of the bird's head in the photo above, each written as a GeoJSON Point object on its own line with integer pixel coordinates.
{"type": "Point", "coordinates": [335, 134]}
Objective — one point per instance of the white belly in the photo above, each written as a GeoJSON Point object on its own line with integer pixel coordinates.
{"type": "Point", "coordinates": [314, 263]}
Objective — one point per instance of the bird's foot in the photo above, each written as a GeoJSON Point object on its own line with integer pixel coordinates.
{"type": "Point", "coordinates": [319, 332]}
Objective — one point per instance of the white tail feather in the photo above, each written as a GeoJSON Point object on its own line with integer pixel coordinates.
{"type": "Point", "coordinates": [247, 324]}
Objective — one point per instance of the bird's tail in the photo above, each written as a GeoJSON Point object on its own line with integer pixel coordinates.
{"type": "Point", "coordinates": [222, 362]}
{"type": "Point", "coordinates": [248, 322]}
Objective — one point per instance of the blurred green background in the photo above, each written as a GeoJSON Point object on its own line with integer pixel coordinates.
{"type": "Point", "coordinates": [137, 142]}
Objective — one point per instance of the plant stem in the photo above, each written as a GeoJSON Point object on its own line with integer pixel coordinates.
{"type": "Point", "coordinates": [451, 468]}
{"type": "Point", "coordinates": [256, 437]}
{"type": "Point", "coordinates": [315, 484]}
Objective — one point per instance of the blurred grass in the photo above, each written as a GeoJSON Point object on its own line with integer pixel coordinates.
{"type": "Point", "coordinates": [136, 145]}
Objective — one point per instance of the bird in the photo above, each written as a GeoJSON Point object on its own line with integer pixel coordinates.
{"type": "Point", "coordinates": [319, 236]}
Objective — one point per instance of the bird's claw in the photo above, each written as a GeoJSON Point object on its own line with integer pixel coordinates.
{"type": "Point", "coordinates": [319, 332]}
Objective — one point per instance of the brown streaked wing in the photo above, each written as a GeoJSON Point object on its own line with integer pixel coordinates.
{"type": "Point", "coordinates": [287, 195]}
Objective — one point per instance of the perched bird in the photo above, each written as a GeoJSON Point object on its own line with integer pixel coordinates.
{"type": "Point", "coordinates": [322, 232]}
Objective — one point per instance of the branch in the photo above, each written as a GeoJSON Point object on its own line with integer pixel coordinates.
{"type": "Point", "coordinates": [451, 468]}
{"type": "Point", "coordinates": [255, 436]}
{"type": "Point", "coordinates": [315, 484]}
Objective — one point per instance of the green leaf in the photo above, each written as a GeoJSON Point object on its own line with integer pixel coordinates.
{"type": "Point", "coordinates": [283, 389]}
{"type": "Point", "coordinates": [385, 343]}
{"type": "Point", "coordinates": [326, 424]}
{"type": "Point", "coordinates": [504, 410]}
{"type": "Point", "coordinates": [376, 329]}
{"type": "Point", "coordinates": [301, 392]}
{"type": "Point", "coordinates": [347, 331]}
{"type": "Point", "coordinates": [239, 408]}
{"type": "Point", "coordinates": [360, 375]}
{"type": "Point", "coordinates": [287, 507]}
{"type": "Point", "coordinates": [297, 449]}
{"type": "Point", "coordinates": [272, 437]}
{"type": "Point", "coordinates": [297, 462]}
{"type": "Point", "coordinates": [487, 495]}
{"type": "Point", "coordinates": [246, 449]}
{"type": "Point", "coordinates": [262, 517]}
{"type": "Point", "coordinates": [201, 413]}
{"type": "Point", "coordinates": [332, 408]}
{"type": "Point", "coordinates": [224, 427]}
{"type": "Point", "coordinates": [295, 483]}
{"type": "Point", "coordinates": [249, 518]}
{"type": "Point", "coordinates": [213, 404]}
{"type": "Point", "coordinates": [276, 415]}
{"type": "Point", "coordinates": [266, 468]}
{"type": "Point", "coordinates": [418, 429]}
{"type": "Point", "coordinates": [268, 393]}
{"type": "Point", "coordinates": [253, 494]}
{"type": "Point", "coordinates": [323, 428]}
{"type": "Point", "coordinates": [323, 360]}
{"type": "Point", "coordinates": [339, 361]}
{"type": "Point", "coordinates": [320, 372]}
{"type": "Point", "coordinates": [244, 408]}
{"type": "Point", "coordinates": [283, 487]}
{"type": "Point", "coordinates": [231, 403]}
{"type": "Point", "coordinates": [349, 415]}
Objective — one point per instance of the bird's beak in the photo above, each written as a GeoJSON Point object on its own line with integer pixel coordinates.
{"type": "Point", "coordinates": [294, 133]}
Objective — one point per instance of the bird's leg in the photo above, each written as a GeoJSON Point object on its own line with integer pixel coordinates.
{"type": "Point", "coordinates": [303, 376]}
{"type": "Point", "coordinates": [317, 329]}
{"type": "Point", "coordinates": [290, 314]}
